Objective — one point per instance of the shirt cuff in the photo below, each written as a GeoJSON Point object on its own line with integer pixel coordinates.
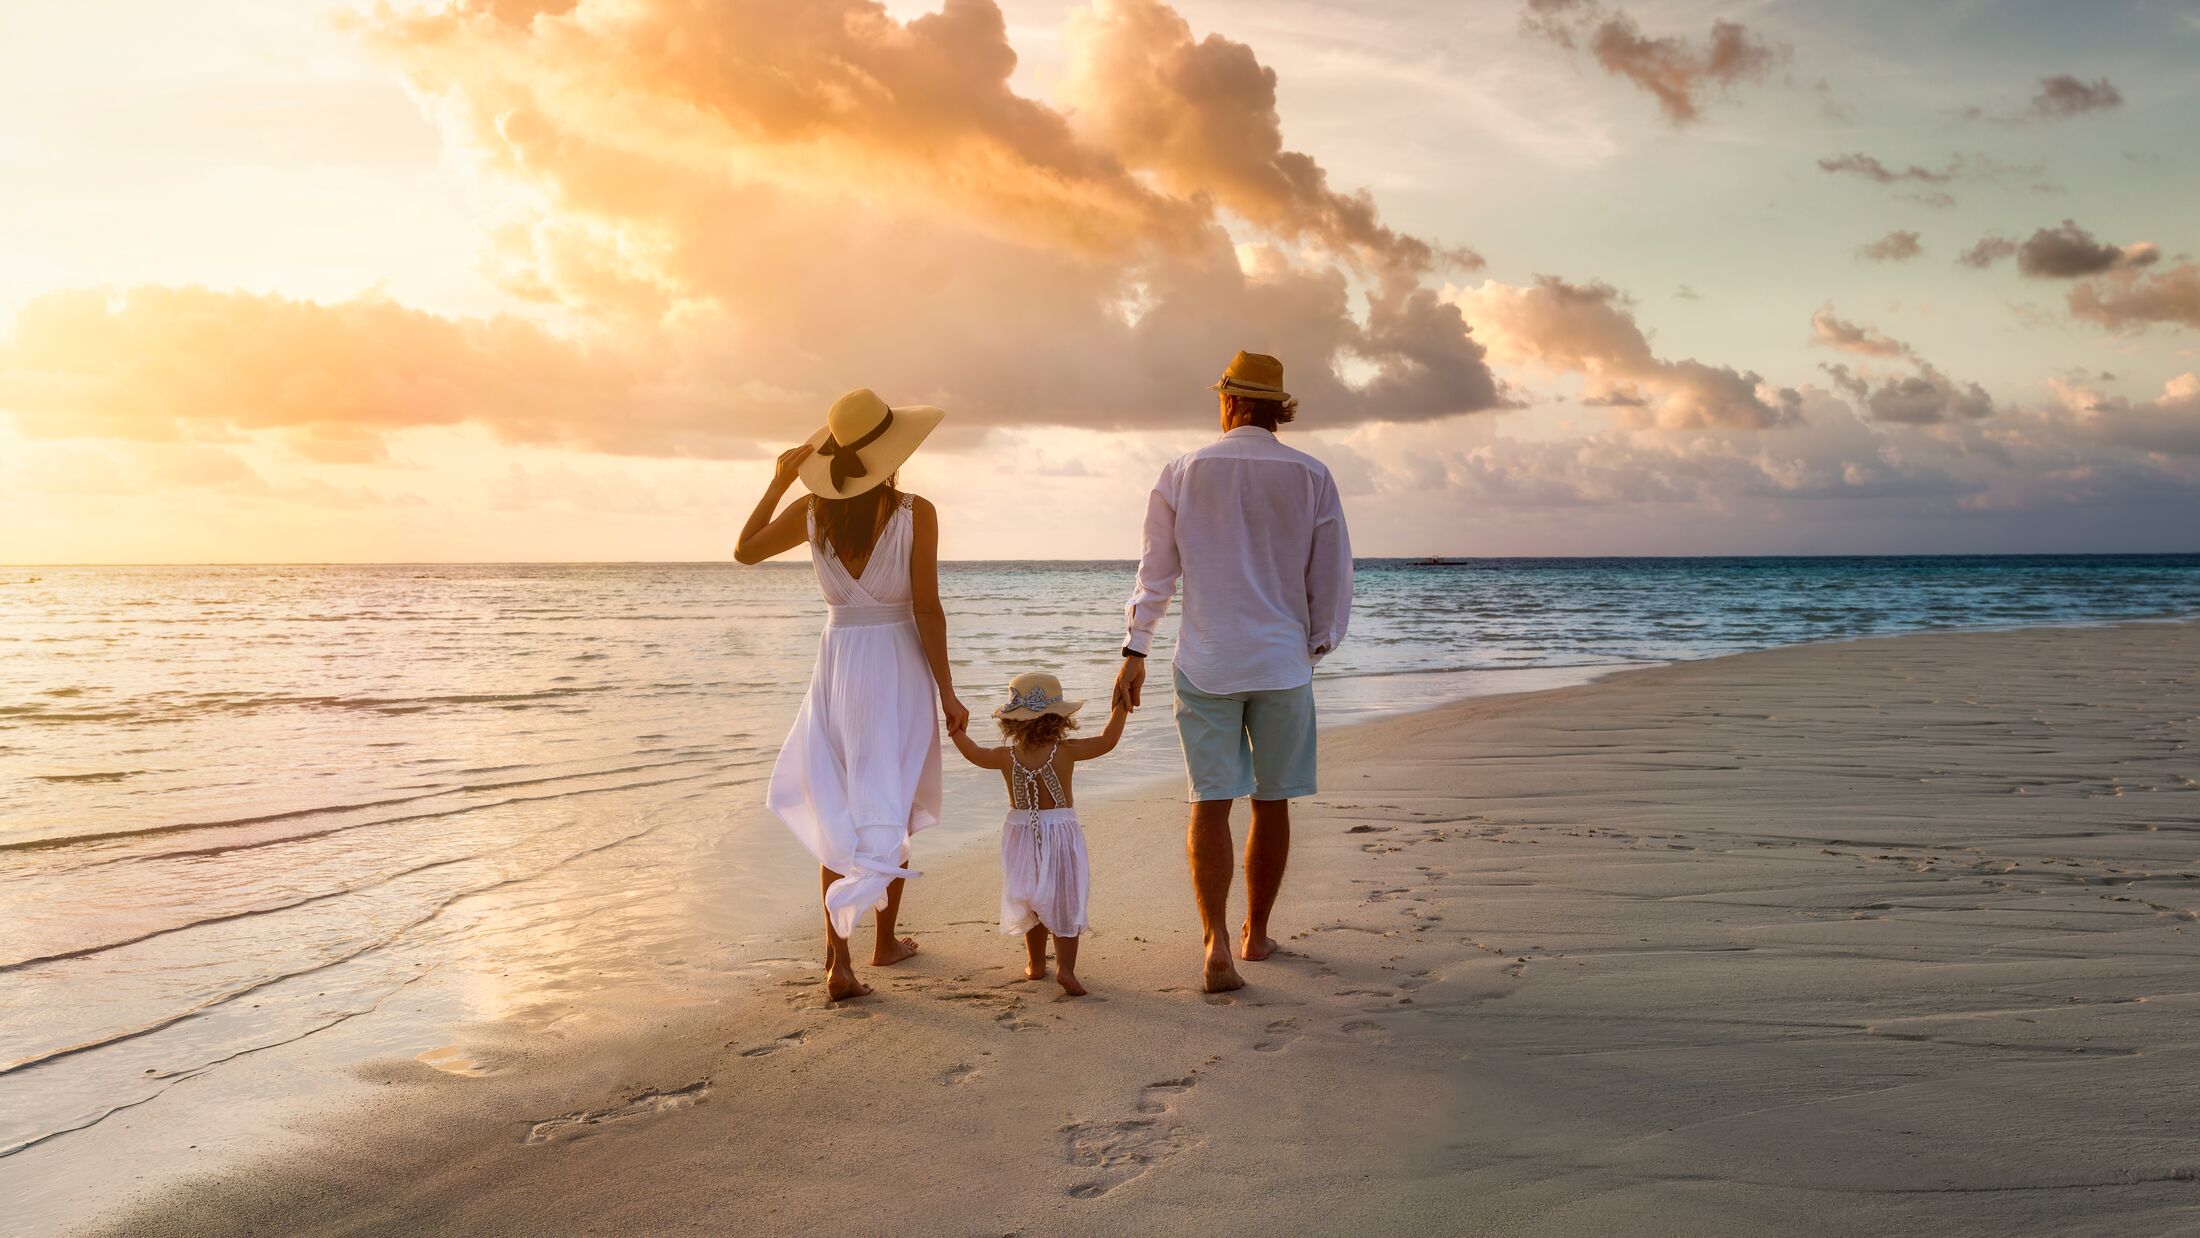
{"type": "Point", "coordinates": [1137, 641]}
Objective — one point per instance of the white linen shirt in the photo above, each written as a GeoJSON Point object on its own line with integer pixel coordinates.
{"type": "Point", "coordinates": [1256, 531]}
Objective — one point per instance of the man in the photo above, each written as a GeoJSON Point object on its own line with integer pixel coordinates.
{"type": "Point", "coordinates": [1257, 532]}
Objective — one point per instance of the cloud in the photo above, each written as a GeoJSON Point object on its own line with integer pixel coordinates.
{"type": "Point", "coordinates": [1832, 332]}
{"type": "Point", "coordinates": [2063, 96]}
{"type": "Point", "coordinates": [158, 363]}
{"type": "Point", "coordinates": [1917, 474]}
{"type": "Point", "coordinates": [1927, 397]}
{"type": "Point", "coordinates": [1200, 115]}
{"type": "Point", "coordinates": [1857, 163]}
{"type": "Point", "coordinates": [2168, 423]}
{"type": "Point", "coordinates": [821, 196]}
{"type": "Point", "coordinates": [733, 213]}
{"type": "Point", "coordinates": [1923, 184]}
{"type": "Point", "coordinates": [1672, 70]}
{"type": "Point", "coordinates": [1896, 246]}
{"type": "Point", "coordinates": [2058, 98]}
{"type": "Point", "coordinates": [1988, 251]}
{"type": "Point", "coordinates": [2070, 252]}
{"type": "Point", "coordinates": [1923, 397]}
{"type": "Point", "coordinates": [1589, 329]}
{"type": "Point", "coordinates": [2128, 299]}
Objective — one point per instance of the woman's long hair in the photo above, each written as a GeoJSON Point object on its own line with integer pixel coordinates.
{"type": "Point", "coordinates": [847, 527]}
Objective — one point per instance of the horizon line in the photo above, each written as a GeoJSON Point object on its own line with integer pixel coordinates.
{"type": "Point", "coordinates": [1426, 559]}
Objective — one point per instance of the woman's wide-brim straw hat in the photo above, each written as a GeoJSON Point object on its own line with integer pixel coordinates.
{"type": "Point", "coordinates": [1255, 376]}
{"type": "Point", "coordinates": [863, 442]}
{"type": "Point", "coordinates": [1036, 694]}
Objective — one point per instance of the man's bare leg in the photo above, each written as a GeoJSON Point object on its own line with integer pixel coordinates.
{"type": "Point", "coordinates": [1267, 849]}
{"type": "Point", "coordinates": [840, 969]}
{"type": "Point", "coordinates": [891, 949]}
{"type": "Point", "coordinates": [1208, 842]}
{"type": "Point", "coordinates": [1035, 953]}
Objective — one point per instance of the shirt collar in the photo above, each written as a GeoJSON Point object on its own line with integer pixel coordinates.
{"type": "Point", "coordinates": [1251, 431]}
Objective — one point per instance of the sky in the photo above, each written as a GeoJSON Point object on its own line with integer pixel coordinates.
{"type": "Point", "coordinates": [552, 280]}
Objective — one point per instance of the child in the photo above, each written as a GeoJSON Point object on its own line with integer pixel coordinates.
{"type": "Point", "coordinates": [1044, 878]}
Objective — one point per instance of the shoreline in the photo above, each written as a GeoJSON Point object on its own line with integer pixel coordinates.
{"type": "Point", "coordinates": [1138, 1099]}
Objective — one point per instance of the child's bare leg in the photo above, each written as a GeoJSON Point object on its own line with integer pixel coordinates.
{"type": "Point", "coordinates": [891, 949]}
{"type": "Point", "coordinates": [1035, 953]}
{"type": "Point", "coordinates": [840, 969]}
{"type": "Point", "coordinates": [1065, 966]}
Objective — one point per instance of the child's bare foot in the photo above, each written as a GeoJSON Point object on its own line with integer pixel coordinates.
{"type": "Point", "coordinates": [1221, 973]}
{"type": "Point", "coordinates": [840, 985]}
{"type": "Point", "coordinates": [1068, 982]}
{"type": "Point", "coordinates": [1035, 971]}
{"type": "Point", "coordinates": [888, 953]}
{"type": "Point", "coordinates": [1253, 949]}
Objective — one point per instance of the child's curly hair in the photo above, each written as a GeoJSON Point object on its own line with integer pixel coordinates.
{"type": "Point", "coordinates": [1031, 732]}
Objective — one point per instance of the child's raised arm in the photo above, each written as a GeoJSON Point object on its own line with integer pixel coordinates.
{"type": "Point", "coordinates": [983, 758]}
{"type": "Point", "coordinates": [1119, 712]}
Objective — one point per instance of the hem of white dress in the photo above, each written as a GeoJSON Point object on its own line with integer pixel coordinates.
{"type": "Point", "coordinates": [1034, 920]}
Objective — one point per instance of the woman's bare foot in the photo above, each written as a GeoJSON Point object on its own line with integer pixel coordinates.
{"type": "Point", "coordinates": [887, 953]}
{"type": "Point", "coordinates": [1069, 983]}
{"type": "Point", "coordinates": [842, 985]}
{"type": "Point", "coordinates": [1221, 973]}
{"type": "Point", "coordinates": [1253, 949]}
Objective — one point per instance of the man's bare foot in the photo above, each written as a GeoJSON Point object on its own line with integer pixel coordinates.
{"type": "Point", "coordinates": [1069, 984]}
{"type": "Point", "coordinates": [1254, 949]}
{"type": "Point", "coordinates": [1221, 974]}
{"type": "Point", "coordinates": [888, 953]}
{"type": "Point", "coordinates": [842, 985]}
{"type": "Point", "coordinates": [1035, 971]}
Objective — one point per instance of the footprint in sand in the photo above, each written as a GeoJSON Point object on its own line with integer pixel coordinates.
{"type": "Point", "coordinates": [1124, 1150]}
{"type": "Point", "coordinates": [1011, 1020]}
{"type": "Point", "coordinates": [1362, 1030]}
{"type": "Point", "coordinates": [791, 1040]}
{"type": "Point", "coordinates": [958, 1074]}
{"type": "Point", "coordinates": [1279, 1034]}
{"type": "Point", "coordinates": [580, 1125]}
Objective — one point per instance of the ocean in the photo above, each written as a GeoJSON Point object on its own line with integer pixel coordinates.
{"type": "Point", "coordinates": [245, 810]}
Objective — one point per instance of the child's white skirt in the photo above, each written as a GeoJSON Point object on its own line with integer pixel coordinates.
{"type": "Point", "coordinates": [1044, 876]}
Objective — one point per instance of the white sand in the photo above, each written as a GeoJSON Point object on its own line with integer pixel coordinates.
{"type": "Point", "coordinates": [1891, 936]}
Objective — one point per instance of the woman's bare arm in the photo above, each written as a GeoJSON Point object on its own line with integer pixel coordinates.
{"type": "Point", "coordinates": [765, 536]}
{"type": "Point", "coordinates": [1104, 743]}
{"type": "Point", "coordinates": [924, 600]}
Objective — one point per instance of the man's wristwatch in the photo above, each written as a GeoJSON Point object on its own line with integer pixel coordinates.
{"type": "Point", "coordinates": [1129, 652]}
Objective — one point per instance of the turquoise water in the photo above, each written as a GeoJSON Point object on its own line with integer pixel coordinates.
{"type": "Point", "coordinates": [242, 806]}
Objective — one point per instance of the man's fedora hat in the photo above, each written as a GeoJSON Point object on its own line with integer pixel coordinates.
{"type": "Point", "coordinates": [863, 442]}
{"type": "Point", "coordinates": [1256, 376]}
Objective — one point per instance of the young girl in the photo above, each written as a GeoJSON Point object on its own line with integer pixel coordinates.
{"type": "Point", "coordinates": [1044, 877]}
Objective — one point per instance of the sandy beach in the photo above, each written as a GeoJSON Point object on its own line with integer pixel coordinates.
{"type": "Point", "coordinates": [1894, 935]}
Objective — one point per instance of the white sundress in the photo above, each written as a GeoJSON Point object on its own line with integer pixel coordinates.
{"type": "Point", "coordinates": [860, 771]}
{"type": "Point", "coordinates": [1045, 877]}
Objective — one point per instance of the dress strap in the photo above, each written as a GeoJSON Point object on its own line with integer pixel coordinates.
{"type": "Point", "coordinates": [1024, 786]}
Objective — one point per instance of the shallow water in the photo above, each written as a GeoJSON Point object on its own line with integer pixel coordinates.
{"type": "Point", "coordinates": [240, 807]}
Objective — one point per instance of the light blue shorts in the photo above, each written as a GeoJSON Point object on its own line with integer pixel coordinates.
{"type": "Point", "coordinates": [1247, 743]}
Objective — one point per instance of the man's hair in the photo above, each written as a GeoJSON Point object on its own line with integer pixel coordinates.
{"type": "Point", "coordinates": [1267, 414]}
{"type": "Point", "coordinates": [1044, 729]}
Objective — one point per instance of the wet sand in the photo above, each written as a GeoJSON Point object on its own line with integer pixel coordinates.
{"type": "Point", "coordinates": [1878, 937]}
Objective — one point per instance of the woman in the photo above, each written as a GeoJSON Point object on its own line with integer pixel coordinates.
{"type": "Point", "coordinates": [860, 771]}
